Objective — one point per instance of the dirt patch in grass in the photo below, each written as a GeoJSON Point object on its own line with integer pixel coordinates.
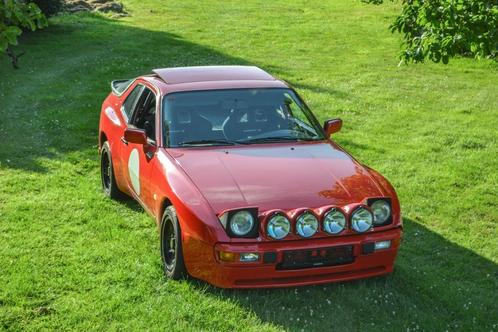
{"type": "Point", "coordinates": [105, 6]}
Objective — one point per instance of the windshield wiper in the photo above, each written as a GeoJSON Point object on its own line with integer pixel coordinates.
{"type": "Point", "coordinates": [276, 139]}
{"type": "Point", "coordinates": [210, 142]}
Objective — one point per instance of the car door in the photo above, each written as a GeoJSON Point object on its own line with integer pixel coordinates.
{"type": "Point", "coordinates": [137, 158]}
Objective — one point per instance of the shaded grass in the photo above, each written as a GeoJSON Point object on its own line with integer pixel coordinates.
{"type": "Point", "coordinates": [71, 259]}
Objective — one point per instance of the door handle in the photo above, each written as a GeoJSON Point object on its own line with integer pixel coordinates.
{"type": "Point", "coordinates": [124, 141]}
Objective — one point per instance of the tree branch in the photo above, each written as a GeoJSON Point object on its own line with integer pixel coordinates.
{"type": "Point", "coordinates": [14, 58]}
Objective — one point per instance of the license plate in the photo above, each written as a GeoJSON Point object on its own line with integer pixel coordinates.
{"type": "Point", "coordinates": [302, 259]}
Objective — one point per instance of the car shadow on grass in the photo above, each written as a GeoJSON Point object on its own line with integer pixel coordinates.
{"type": "Point", "coordinates": [50, 107]}
{"type": "Point", "coordinates": [436, 285]}
{"type": "Point", "coordinates": [131, 204]}
{"type": "Point", "coordinates": [50, 112]}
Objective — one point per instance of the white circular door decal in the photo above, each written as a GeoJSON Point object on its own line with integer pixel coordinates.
{"type": "Point", "coordinates": [134, 170]}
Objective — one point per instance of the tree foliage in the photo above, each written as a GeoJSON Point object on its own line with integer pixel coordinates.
{"type": "Point", "coordinates": [14, 17]}
{"type": "Point", "coordinates": [440, 29]}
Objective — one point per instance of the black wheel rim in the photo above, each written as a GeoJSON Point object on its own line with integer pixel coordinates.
{"type": "Point", "coordinates": [106, 171]}
{"type": "Point", "coordinates": [169, 244]}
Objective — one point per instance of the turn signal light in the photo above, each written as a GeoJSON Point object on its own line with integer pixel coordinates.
{"type": "Point", "coordinates": [226, 256]}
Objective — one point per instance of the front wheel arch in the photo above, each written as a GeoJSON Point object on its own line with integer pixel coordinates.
{"type": "Point", "coordinates": [165, 203]}
{"type": "Point", "coordinates": [171, 245]}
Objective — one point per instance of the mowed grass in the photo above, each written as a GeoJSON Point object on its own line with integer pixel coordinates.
{"type": "Point", "coordinates": [72, 259]}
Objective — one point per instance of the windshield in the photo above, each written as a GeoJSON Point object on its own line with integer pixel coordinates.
{"type": "Point", "coordinates": [236, 116]}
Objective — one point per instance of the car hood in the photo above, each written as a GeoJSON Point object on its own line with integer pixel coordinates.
{"type": "Point", "coordinates": [276, 176]}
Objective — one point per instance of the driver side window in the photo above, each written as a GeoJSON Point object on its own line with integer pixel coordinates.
{"type": "Point", "coordinates": [130, 102]}
{"type": "Point", "coordinates": [144, 116]}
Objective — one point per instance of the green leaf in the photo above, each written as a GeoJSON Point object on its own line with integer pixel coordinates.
{"type": "Point", "coordinates": [12, 33]}
{"type": "Point", "coordinates": [15, 15]}
{"type": "Point", "coordinates": [449, 27]}
{"type": "Point", "coordinates": [3, 44]}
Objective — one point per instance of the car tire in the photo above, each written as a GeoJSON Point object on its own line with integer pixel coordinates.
{"type": "Point", "coordinates": [109, 185]}
{"type": "Point", "coordinates": [171, 245]}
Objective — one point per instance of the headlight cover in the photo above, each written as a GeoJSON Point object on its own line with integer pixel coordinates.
{"type": "Point", "coordinates": [278, 226]}
{"type": "Point", "coordinates": [307, 224]}
{"type": "Point", "coordinates": [361, 220]}
{"type": "Point", "coordinates": [334, 222]}
{"type": "Point", "coordinates": [381, 211]}
{"type": "Point", "coordinates": [240, 222]}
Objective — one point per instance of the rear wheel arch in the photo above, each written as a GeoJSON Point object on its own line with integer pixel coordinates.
{"type": "Point", "coordinates": [102, 139]}
{"type": "Point", "coordinates": [107, 173]}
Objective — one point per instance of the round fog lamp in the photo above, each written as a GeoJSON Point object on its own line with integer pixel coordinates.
{"type": "Point", "coordinates": [307, 224]}
{"type": "Point", "coordinates": [362, 220]}
{"type": "Point", "coordinates": [278, 226]}
{"type": "Point", "coordinates": [334, 222]}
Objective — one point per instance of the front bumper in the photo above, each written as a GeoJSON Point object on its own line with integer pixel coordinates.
{"type": "Point", "coordinates": [260, 274]}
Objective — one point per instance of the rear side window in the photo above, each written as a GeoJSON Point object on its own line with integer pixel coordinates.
{"type": "Point", "coordinates": [119, 86]}
{"type": "Point", "coordinates": [131, 100]}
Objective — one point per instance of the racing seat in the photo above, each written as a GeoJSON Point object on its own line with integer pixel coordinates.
{"type": "Point", "coordinates": [235, 125]}
{"type": "Point", "coordinates": [150, 122]}
{"type": "Point", "coordinates": [189, 126]}
{"type": "Point", "coordinates": [243, 123]}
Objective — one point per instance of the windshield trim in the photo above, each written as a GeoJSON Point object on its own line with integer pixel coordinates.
{"type": "Point", "coordinates": [311, 116]}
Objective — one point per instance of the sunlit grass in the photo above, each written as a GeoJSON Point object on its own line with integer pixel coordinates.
{"type": "Point", "coordinates": [71, 259]}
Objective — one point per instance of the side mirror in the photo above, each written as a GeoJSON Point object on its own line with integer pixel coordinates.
{"type": "Point", "coordinates": [136, 136]}
{"type": "Point", "coordinates": [332, 126]}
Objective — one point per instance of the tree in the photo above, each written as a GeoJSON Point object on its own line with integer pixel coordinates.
{"type": "Point", "coordinates": [16, 15]}
{"type": "Point", "coordinates": [440, 29]}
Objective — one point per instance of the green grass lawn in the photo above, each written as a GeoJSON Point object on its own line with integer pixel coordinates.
{"type": "Point", "coordinates": [72, 259]}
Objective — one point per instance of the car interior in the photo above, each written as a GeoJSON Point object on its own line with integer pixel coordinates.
{"type": "Point", "coordinates": [219, 116]}
{"type": "Point", "coordinates": [234, 115]}
{"type": "Point", "coordinates": [188, 124]}
{"type": "Point", "coordinates": [145, 114]}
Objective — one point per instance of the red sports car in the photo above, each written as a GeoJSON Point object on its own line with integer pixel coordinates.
{"type": "Point", "coordinates": [248, 190]}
